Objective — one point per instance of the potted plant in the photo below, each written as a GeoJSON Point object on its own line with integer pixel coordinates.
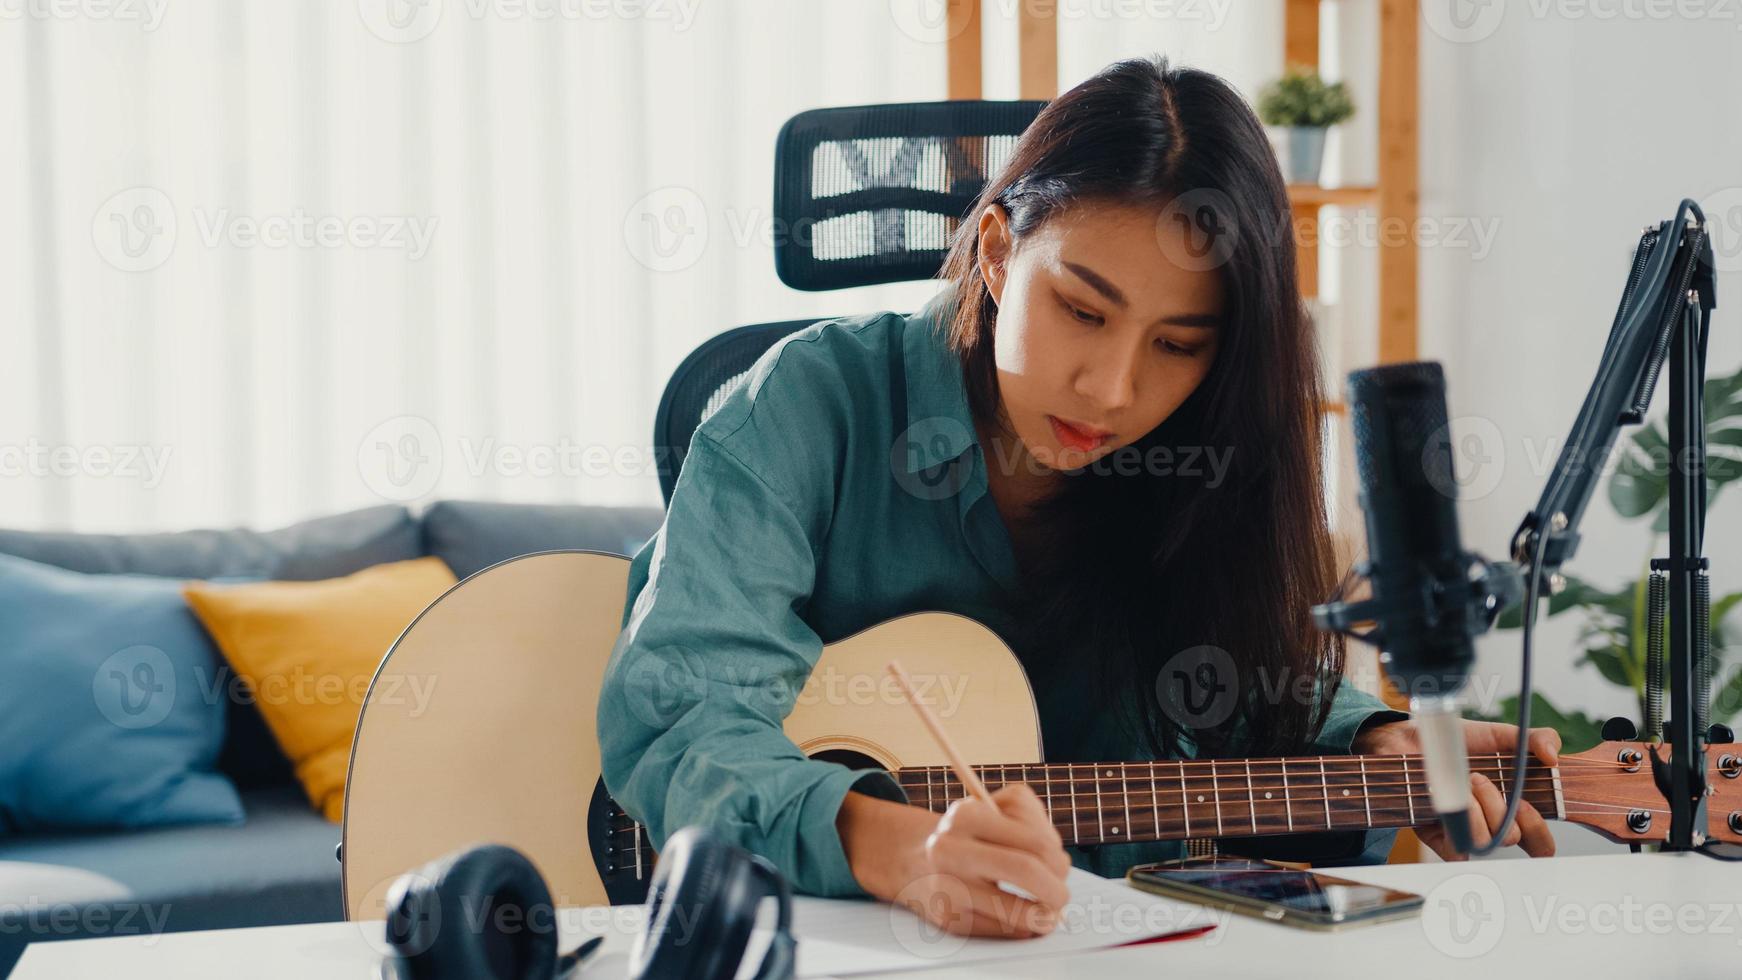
{"type": "Point", "coordinates": [1305, 106]}
{"type": "Point", "coordinates": [1613, 631]}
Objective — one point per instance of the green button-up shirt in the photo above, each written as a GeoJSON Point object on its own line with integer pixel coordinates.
{"type": "Point", "coordinates": [839, 486]}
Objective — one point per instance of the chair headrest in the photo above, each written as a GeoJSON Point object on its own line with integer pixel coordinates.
{"type": "Point", "coordinates": [873, 194]}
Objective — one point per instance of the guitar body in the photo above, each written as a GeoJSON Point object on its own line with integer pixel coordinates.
{"type": "Point", "coordinates": [852, 711]}
{"type": "Point", "coordinates": [505, 748]}
{"type": "Point", "coordinates": [501, 745]}
{"type": "Point", "coordinates": [481, 726]}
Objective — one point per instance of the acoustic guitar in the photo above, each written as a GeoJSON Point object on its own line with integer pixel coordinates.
{"type": "Point", "coordinates": [505, 749]}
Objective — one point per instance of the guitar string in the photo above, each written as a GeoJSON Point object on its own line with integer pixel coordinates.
{"type": "Point", "coordinates": [1612, 803]}
{"type": "Point", "coordinates": [1304, 761]}
{"type": "Point", "coordinates": [1229, 798]}
{"type": "Point", "coordinates": [1541, 779]}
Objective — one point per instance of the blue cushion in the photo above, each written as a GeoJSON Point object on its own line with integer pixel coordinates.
{"type": "Point", "coordinates": [113, 708]}
{"type": "Point", "coordinates": [472, 535]}
{"type": "Point", "coordinates": [323, 547]}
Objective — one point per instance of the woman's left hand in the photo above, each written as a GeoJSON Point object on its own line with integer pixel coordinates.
{"type": "Point", "coordinates": [1528, 830]}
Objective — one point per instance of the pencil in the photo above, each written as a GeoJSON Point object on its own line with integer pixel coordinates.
{"type": "Point", "coordinates": [963, 772]}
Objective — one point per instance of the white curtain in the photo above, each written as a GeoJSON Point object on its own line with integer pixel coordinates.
{"type": "Point", "coordinates": [263, 260]}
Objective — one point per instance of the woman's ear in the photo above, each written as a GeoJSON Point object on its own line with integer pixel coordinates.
{"type": "Point", "coordinates": [995, 244]}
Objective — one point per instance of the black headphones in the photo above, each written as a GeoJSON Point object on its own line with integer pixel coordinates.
{"type": "Point", "coordinates": [486, 912]}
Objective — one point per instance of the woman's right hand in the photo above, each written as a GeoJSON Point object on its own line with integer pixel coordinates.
{"type": "Point", "coordinates": [947, 869]}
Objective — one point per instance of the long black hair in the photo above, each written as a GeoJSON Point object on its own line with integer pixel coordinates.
{"type": "Point", "coordinates": [1143, 572]}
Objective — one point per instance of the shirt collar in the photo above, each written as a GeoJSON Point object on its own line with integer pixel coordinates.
{"type": "Point", "coordinates": [940, 425]}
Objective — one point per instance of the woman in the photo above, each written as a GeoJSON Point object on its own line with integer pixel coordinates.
{"type": "Point", "coordinates": [1101, 440]}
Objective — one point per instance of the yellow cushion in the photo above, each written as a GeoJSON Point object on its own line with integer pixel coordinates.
{"type": "Point", "coordinates": [307, 651]}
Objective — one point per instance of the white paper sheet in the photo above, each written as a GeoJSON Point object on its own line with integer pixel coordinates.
{"type": "Point", "coordinates": [845, 937]}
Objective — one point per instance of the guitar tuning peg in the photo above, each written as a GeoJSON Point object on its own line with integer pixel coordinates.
{"type": "Point", "coordinates": [1720, 735]}
{"type": "Point", "coordinates": [1620, 729]}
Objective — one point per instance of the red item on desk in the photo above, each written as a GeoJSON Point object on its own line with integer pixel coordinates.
{"type": "Point", "coordinates": [1169, 936]}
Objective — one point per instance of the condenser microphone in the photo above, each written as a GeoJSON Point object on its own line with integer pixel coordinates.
{"type": "Point", "coordinates": [1421, 577]}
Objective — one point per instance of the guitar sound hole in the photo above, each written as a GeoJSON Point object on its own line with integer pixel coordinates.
{"type": "Point", "coordinates": [848, 758]}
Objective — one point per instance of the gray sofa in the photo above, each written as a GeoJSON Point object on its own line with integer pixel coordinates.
{"type": "Point", "coordinates": [279, 866]}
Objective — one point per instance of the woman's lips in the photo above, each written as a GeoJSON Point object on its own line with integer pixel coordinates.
{"type": "Point", "coordinates": [1072, 437]}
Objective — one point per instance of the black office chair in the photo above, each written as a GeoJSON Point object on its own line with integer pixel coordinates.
{"type": "Point", "coordinates": [871, 194]}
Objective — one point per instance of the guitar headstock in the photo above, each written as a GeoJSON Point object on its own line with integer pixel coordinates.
{"type": "Point", "coordinates": [1610, 789]}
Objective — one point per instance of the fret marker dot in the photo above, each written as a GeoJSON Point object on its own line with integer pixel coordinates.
{"type": "Point", "coordinates": [1115, 830]}
{"type": "Point", "coordinates": [1109, 774]}
{"type": "Point", "coordinates": [1200, 798]}
{"type": "Point", "coordinates": [1345, 792]}
{"type": "Point", "coordinates": [1267, 796]}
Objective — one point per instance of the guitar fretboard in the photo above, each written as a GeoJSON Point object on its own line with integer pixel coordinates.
{"type": "Point", "coordinates": [1095, 803]}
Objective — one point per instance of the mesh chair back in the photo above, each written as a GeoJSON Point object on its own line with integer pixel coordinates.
{"type": "Point", "coordinates": [864, 195]}
{"type": "Point", "coordinates": [873, 194]}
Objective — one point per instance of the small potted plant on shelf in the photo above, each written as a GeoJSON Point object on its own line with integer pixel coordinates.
{"type": "Point", "coordinates": [1305, 105]}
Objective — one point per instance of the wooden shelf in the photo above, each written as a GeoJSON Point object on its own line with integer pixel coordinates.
{"type": "Point", "coordinates": [1312, 195]}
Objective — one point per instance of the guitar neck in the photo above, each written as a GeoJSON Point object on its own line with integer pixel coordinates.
{"type": "Point", "coordinates": [1097, 803]}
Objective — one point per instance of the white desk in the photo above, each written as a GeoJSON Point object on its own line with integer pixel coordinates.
{"type": "Point", "coordinates": [1573, 918]}
{"type": "Point", "coordinates": [1623, 915]}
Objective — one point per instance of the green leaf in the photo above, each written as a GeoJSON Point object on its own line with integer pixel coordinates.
{"type": "Point", "coordinates": [1609, 662]}
{"type": "Point", "coordinates": [1641, 478]}
{"type": "Point", "coordinates": [1577, 595]}
{"type": "Point", "coordinates": [1302, 98]}
{"type": "Point", "coordinates": [1727, 699]}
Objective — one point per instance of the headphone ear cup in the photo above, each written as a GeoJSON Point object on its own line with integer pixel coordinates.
{"type": "Point", "coordinates": [482, 912]}
{"type": "Point", "coordinates": [684, 938]}
{"type": "Point", "coordinates": [701, 910]}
